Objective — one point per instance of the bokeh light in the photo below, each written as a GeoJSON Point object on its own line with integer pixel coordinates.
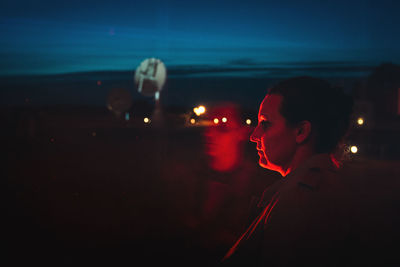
{"type": "Point", "coordinates": [354, 149]}
{"type": "Point", "coordinates": [216, 121]}
{"type": "Point", "coordinates": [248, 121]}
{"type": "Point", "coordinates": [360, 121]}
{"type": "Point", "coordinates": [224, 119]}
{"type": "Point", "coordinates": [202, 109]}
{"type": "Point", "coordinates": [199, 110]}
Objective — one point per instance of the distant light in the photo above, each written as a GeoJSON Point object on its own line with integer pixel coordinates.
{"type": "Point", "coordinates": [127, 116]}
{"type": "Point", "coordinates": [94, 134]}
{"type": "Point", "coordinates": [224, 120]}
{"type": "Point", "coordinates": [98, 83]}
{"type": "Point", "coordinates": [52, 140]}
{"type": "Point", "coordinates": [248, 121]}
{"type": "Point", "coordinates": [199, 110]}
{"type": "Point", "coordinates": [202, 109]}
{"type": "Point", "coordinates": [353, 149]}
{"type": "Point", "coordinates": [146, 120]}
{"type": "Point", "coordinates": [216, 121]}
{"type": "Point", "coordinates": [192, 121]}
{"type": "Point", "coordinates": [360, 121]}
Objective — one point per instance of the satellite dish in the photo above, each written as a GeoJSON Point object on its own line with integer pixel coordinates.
{"type": "Point", "coordinates": [119, 101]}
{"type": "Point", "coordinates": [150, 77]}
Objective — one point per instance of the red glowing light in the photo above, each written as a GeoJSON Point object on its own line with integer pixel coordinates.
{"type": "Point", "coordinates": [224, 140]}
{"type": "Point", "coordinates": [262, 217]}
{"type": "Point", "coordinates": [98, 83]}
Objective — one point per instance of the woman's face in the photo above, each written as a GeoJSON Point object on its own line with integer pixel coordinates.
{"type": "Point", "coordinates": [276, 140]}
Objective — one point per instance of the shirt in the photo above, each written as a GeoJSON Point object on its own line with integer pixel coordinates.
{"type": "Point", "coordinates": [304, 220]}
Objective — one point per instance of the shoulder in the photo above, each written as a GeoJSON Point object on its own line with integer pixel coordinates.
{"type": "Point", "coordinates": [315, 190]}
{"type": "Point", "coordinates": [320, 174]}
{"type": "Point", "coordinates": [311, 180]}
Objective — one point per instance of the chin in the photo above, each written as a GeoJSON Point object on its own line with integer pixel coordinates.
{"type": "Point", "coordinates": [267, 165]}
{"type": "Point", "coordinates": [264, 163]}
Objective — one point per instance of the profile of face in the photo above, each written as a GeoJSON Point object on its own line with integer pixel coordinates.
{"type": "Point", "coordinates": [275, 138]}
{"type": "Point", "coordinates": [223, 140]}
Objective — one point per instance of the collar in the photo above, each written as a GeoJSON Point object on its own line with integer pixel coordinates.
{"type": "Point", "coordinates": [315, 162]}
{"type": "Point", "coordinates": [308, 175]}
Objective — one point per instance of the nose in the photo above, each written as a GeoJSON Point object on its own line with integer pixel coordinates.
{"type": "Point", "coordinates": [254, 137]}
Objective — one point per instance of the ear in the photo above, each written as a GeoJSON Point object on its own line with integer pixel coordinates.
{"type": "Point", "coordinates": [303, 131]}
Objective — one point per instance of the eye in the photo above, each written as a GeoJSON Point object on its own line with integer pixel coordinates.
{"type": "Point", "coordinates": [265, 124]}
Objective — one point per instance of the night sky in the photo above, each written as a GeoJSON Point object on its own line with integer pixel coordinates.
{"type": "Point", "coordinates": [42, 37]}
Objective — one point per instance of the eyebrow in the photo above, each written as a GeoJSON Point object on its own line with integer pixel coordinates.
{"type": "Point", "coordinates": [263, 117]}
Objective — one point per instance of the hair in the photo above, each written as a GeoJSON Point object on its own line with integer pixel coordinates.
{"type": "Point", "coordinates": [327, 108]}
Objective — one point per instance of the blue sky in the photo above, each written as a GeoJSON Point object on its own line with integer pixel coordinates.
{"type": "Point", "coordinates": [41, 37]}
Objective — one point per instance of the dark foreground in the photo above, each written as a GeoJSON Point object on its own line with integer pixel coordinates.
{"type": "Point", "coordinates": [84, 188]}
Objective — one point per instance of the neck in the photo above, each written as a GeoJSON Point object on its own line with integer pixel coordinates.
{"type": "Point", "coordinates": [302, 154]}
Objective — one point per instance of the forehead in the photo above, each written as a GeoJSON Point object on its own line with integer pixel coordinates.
{"type": "Point", "coordinates": [270, 106]}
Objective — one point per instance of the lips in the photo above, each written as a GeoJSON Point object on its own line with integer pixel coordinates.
{"type": "Point", "coordinates": [259, 151]}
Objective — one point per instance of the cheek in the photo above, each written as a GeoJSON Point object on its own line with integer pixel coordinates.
{"type": "Point", "coordinates": [277, 145]}
{"type": "Point", "coordinates": [270, 140]}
